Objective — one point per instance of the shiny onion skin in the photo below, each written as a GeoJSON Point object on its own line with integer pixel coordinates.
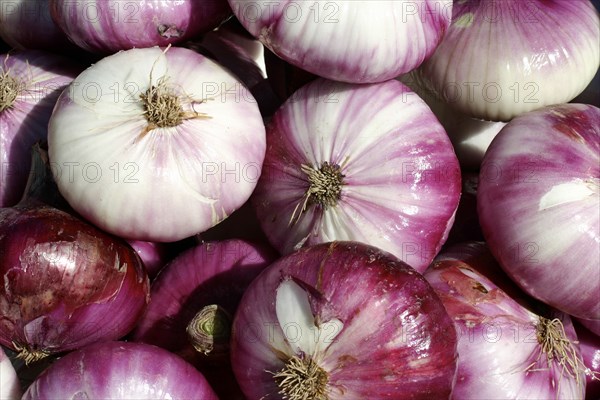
{"type": "Point", "coordinates": [368, 326]}
{"type": "Point", "coordinates": [120, 370]}
{"type": "Point", "coordinates": [66, 283]}
{"type": "Point", "coordinates": [38, 78]}
{"type": "Point", "coordinates": [346, 40]}
{"type": "Point", "coordinates": [538, 201]}
{"type": "Point", "coordinates": [107, 26]}
{"type": "Point", "coordinates": [380, 164]}
{"type": "Point", "coordinates": [165, 144]}
{"type": "Point", "coordinates": [500, 353]}
{"type": "Point", "coordinates": [210, 273]}
{"type": "Point", "coordinates": [502, 58]}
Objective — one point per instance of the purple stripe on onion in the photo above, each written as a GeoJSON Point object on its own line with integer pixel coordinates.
{"type": "Point", "coordinates": [538, 201]}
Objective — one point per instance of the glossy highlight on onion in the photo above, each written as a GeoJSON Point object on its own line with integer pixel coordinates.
{"type": "Point", "coordinates": [342, 320]}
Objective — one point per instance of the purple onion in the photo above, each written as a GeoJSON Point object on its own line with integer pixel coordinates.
{"type": "Point", "coordinates": [120, 370]}
{"type": "Point", "coordinates": [367, 163]}
{"type": "Point", "coordinates": [342, 320]}
{"type": "Point", "coordinates": [30, 83]}
{"type": "Point", "coordinates": [505, 350]}
{"type": "Point", "coordinates": [339, 40]}
{"type": "Point", "coordinates": [107, 26]}
{"type": "Point", "coordinates": [204, 282]}
{"type": "Point", "coordinates": [538, 201]}
{"type": "Point", "coordinates": [154, 255]}
{"type": "Point", "coordinates": [501, 58]}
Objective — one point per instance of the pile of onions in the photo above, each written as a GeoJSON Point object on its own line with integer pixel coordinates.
{"type": "Point", "coordinates": [367, 163]}
{"type": "Point", "coordinates": [538, 201]}
{"type": "Point", "coordinates": [66, 283]}
{"type": "Point", "coordinates": [505, 350]}
{"type": "Point", "coordinates": [349, 41]}
{"type": "Point", "coordinates": [193, 301]}
{"type": "Point", "coordinates": [120, 370]}
{"type": "Point", "coordinates": [501, 58]}
{"type": "Point", "coordinates": [156, 145]}
{"type": "Point", "coordinates": [342, 320]}
{"type": "Point", "coordinates": [107, 26]}
{"type": "Point", "coordinates": [30, 83]}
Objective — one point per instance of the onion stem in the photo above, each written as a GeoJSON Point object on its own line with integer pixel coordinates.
{"type": "Point", "coordinates": [9, 90]}
{"type": "Point", "coordinates": [210, 329]}
{"type": "Point", "coordinates": [27, 354]}
{"type": "Point", "coordinates": [325, 187]}
{"type": "Point", "coordinates": [557, 347]}
{"type": "Point", "coordinates": [302, 379]}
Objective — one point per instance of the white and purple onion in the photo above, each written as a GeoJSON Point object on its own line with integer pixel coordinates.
{"type": "Point", "coordinates": [346, 40]}
{"type": "Point", "coordinates": [156, 145]}
{"type": "Point", "coordinates": [342, 320]}
{"type": "Point", "coordinates": [538, 200]}
{"type": "Point", "coordinates": [107, 26]}
{"type": "Point", "coordinates": [369, 163]}
{"type": "Point", "coordinates": [502, 58]}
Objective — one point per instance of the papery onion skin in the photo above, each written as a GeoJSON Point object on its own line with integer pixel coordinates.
{"type": "Point", "coordinates": [401, 183]}
{"type": "Point", "coordinates": [156, 184]}
{"type": "Point", "coordinates": [538, 201]}
{"type": "Point", "coordinates": [120, 370]}
{"type": "Point", "coordinates": [107, 26]}
{"type": "Point", "coordinates": [541, 53]}
{"type": "Point", "coordinates": [66, 283]}
{"type": "Point", "coordinates": [210, 273]}
{"type": "Point", "coordinates": [42, 76]}
{"type": "Point", "coordinates": [396, 342]}
{"type": "Point", "coordinates": [10, 387]}
{"type": "Point", "coordinates": [26, 24]}
{"type": "Point", "coordinates": [349, 41]}
{"type": "Point", "coordinates": [499, 356]}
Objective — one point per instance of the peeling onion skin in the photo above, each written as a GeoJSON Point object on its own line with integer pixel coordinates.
{"type": "Point", "coordinates": [43, 76]}
{"type": "Point", "coordinates": [167, 183]}
{"type": "Point", "coordinates": [538, 201]}
{"type": "Point", "coordinates": [396, 341]}
{"type": "Point", "coordinates": [497, 339]}
{"type": "Point", "coordinates": [345, 40]}
{"type": "Point", "coordinates": [543, 52]}
{"type": "Point", "coordinates": [107, 26]}
{"type": "Point", "coordinates": [401, 177]}
{"type": "Point", "coordinates": [120, 370]}
{"type": "Point", "coordinates": [66, 284]}
{"type": "Point", "coordinates": [210, 273]}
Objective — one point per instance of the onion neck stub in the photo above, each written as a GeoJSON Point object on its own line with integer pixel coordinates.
{"type": "Point", "coordinates": [302, 379]}
{"type": "Point", "coordinates": [210, 330]}
{"type": "Point", "coordinates": [9, 90]}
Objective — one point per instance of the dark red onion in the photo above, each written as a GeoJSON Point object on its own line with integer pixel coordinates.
{"type": "Point", "coordinates": [210, 274]}
{"type": "Point", "coordinates": [35, 79]}
{"type": "Point", "coordinates": [505, 350]}
{"type": "Point", "coordinates": [120, 370]}
{"type": "Point", "coordinates": [356, 322]}
{"type": "Point", "coordinates": [66, 283]}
